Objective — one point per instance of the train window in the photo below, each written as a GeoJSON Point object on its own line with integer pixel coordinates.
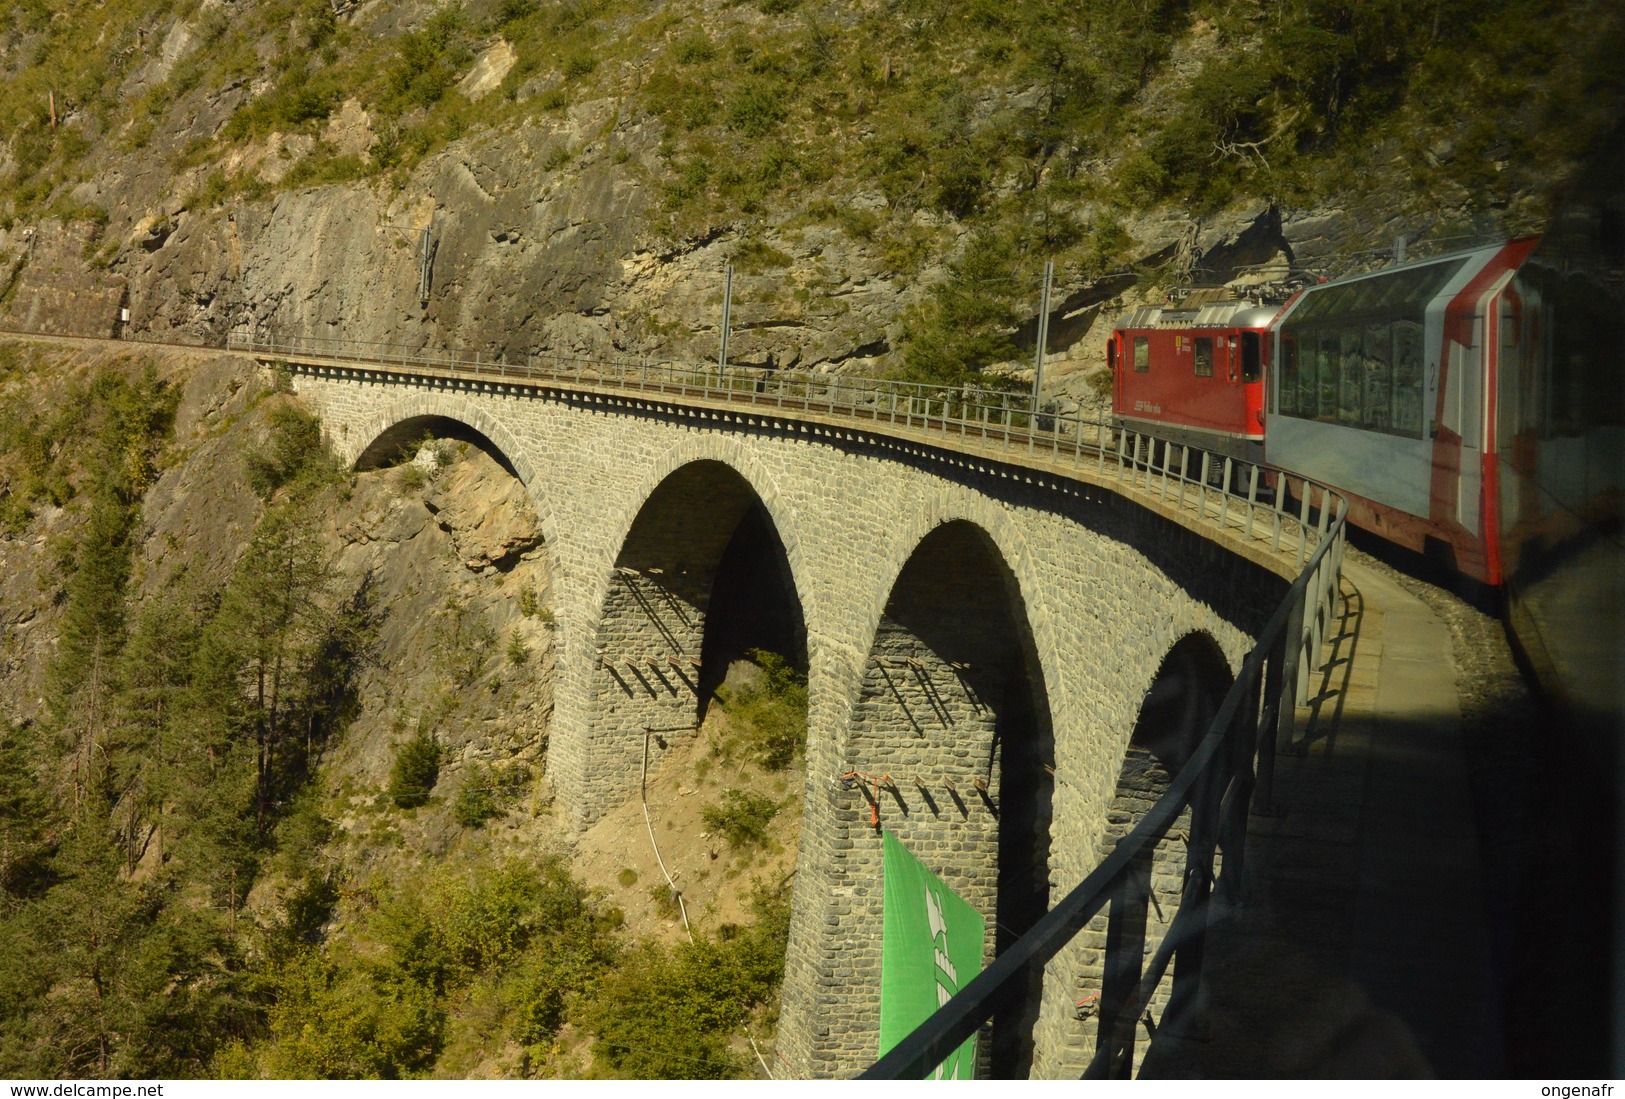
{"type": "Point", "coordinates": [1365, 295]}
{"type": "Point", "coordinates": [1315, 304]}
{"type": "Point", "coordinates": [1408, 377]}
{"type": "Point", "coordinates": [1287, 390]}
{"type": "Point", "coordinates": [1142, 354]}
{"type": "Point", "coordinates": [1327, 371]}
{"type": "Point", "coordinates": [1111, 355]}
{"type": "Point", "coordinates": [1404, 287]}
{"type": "Point", "coordinates": [1251, 359]}
{"type": "Point", "coordinates": [1406, 292]}
{"type": "Point", "coordinates": [1309, 376]}
{"type": "Point", "coordinates": [1357, 350]}
{"type": "Point", "coordinates": [1204, 356]}
{"type": "Point", "coordinates": [1350, 378]}
{"type": "Point", "coordinates": [1377, 397]}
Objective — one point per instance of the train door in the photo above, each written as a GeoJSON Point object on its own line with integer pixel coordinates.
{"type": "Point", "coordinates": [1252, 357]}
{"type": "Point", "coordinates": [1470, 362]}
{"type": "Point", "coordinates": [1252, 377]}
{"type": "Point", "coordinates": [1116, 375]}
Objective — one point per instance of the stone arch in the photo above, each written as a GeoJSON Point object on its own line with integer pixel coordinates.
{"type": "Point", "coordinates": [950, 748]}
{"type": "Point", "coordinates": [1175, 712]}
{"type": "Point", "coordinates": [725, 450]}
{"type": "Point", "coordinates": [1011, 547]}
{"type": "Point", "coordinates": [647, 638]}
{"type": "Point", "coordinates": [431, 409]}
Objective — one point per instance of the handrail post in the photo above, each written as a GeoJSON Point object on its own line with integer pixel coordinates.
{"type": "Point", "coordinates": [1252, 499]}
{"type": "Point", "coordinates": [1183, 1012]}
{"type": "Point", "coordinates": [1303, 525]}
{"type": "Point", "coordinates": [1282, 485]}
{"type": "Point", "coordinates": [1120, 1006]}
{"type": "Point", "coordinates": [1269, 725]}
{"type": "Point", "coordinates": [1292, 638]}
{"type": "Point", "coordinates": [1233, 822]}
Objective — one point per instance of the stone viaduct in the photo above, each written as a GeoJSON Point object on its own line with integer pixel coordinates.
{"type": "Point", "coordinates": [983, 630]}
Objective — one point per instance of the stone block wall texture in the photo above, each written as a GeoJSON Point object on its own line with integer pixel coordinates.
{"type": "Point", "coordinates": [957, 610]}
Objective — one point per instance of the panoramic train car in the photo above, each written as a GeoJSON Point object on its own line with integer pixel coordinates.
{"type": "Point", "coordinates": [1386, 388]}
{"type": "Point", "coordinates": [1560, 427]}
{"type": "Point", "coordinates": [1193, 372]}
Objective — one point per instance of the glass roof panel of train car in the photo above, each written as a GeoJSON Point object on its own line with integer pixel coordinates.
{"type": "Point", "coordinates": [1405, 291]}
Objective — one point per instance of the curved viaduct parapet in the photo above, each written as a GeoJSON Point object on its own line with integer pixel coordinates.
{"type": "Point", "coordinates": [381, 435]}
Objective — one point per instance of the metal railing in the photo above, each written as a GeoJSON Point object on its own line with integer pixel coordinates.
{"type": "Point", "coordinates": [1220, 786]}
{"type": "Point", "coordinates": [1233, 765]}
{"type": "Point", "coordinates": [968, 411]}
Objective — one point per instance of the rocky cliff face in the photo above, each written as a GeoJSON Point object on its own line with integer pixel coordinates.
{"type": "Point", "coordinates": [443, 556]}
{"type": "Point", "coordinates": [551, 232]}
{"type": "Point", "coordinates": [527, 259]}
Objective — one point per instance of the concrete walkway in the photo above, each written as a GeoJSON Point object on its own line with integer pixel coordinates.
{"type": "Point", "coordinates": [1362, 948]}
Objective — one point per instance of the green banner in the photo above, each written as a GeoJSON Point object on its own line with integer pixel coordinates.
{"type": "Point", "coordinates": [931, 949]}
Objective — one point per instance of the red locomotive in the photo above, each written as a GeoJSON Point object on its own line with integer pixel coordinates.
{"type": "Point", "coordinates": [1193, 371]}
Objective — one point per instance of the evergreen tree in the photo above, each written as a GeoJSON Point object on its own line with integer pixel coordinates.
{"type": "Point", "coordinates": [88, 926]}
{"type": "Point", "coordinates": [155, 675]}
{"type": "Point", "coordinates": [23, 820]}
{"type": "Point", "coordinates": [269, 632]}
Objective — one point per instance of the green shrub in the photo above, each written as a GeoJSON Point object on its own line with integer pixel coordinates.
{"type": "Point", "coordinates": [771, 716]}
{"type": "Point", "coordinates": [578, 65]}
{"type": "Point", "coordinates": [320, 169]}
{"type": "Point", "coordinates": [476, 799]}
{"type": "Point", "coordinates": [335, 1021]}
{"type": "Point", "coordinates": [755, 255]}
{"type": "Point", "coordinates": [214, 189]}
{"type": "Point", "coordinates": [664, 898]}
{"type": "Point", "coordinates": [756, 108]}
{"type": "Point", "coordinates": [742, 817]}
{"type": "Point", "coordinates": [511, 11]}
{"type": "Point", "coordinates": [417, 768]}
{"type": "Point", "coordinates": [660, 1016]}
{"type": "Point", "coordinates": [670, 1014]}
{"type": "Point", "coordinates": [294, 451]}
{"type": "Point", "coordinates": [461, 640]}
{"type": "Point", "coordinates": [461, 926]}
{"type": "Point", "coordinates": [694, 49]}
